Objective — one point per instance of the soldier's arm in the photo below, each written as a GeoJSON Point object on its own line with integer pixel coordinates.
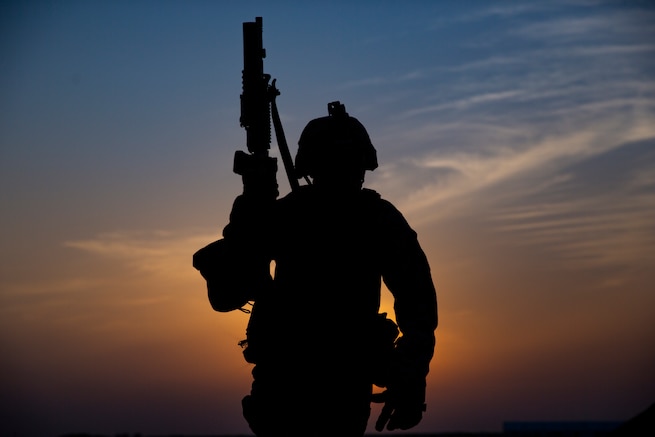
{"type": "Point", "coordinates": [406, 272]}
{"type": "Point", "coordinates": [408, 276]}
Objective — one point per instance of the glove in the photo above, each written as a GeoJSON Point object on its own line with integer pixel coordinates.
{"type": "Point", "coordinates": [403, 409]}
{"type": "Point", "coordinates": [258, 174]}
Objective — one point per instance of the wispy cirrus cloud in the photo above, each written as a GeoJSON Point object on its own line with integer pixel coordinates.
{"type": "Point", "coordinates": [462, 104]}
{"type": "Point", "coordinates": [119, 262]}
{"type": "Point", "coordinates": [599, 213]}
{"type": "Point", "coordinates": [621, 23]}
{"type": "Point", "coordinates": [565, 28]}
{"type": "Point", "coordinates": [510, 169]}
{"type": "Point", "coordinates": [156, 252]}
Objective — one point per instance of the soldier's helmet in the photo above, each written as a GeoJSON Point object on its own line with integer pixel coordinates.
{"type": "Point", "coordinates": [334, 144]}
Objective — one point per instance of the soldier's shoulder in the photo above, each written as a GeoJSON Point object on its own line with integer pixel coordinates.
{"type": "Point", "coordinates": [385, 211]}
{"type": "Point", "coordinates": [301, 192]}
{"type": "Point", "coordinates": [381, 207]}
{"type": "Point", "coordinates": [376, 198]}
{"type": "Point", "coordinates": [369, 194]}
{"type": "Point", "coordinates": [294, 199]}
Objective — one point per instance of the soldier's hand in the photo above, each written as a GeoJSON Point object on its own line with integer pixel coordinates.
{"type": "Point", "coordinates": [258, 174]}
{"type": "Point", "coordinates": [405, 417]}
{"type": "Point", "coordinates": [399, 411]}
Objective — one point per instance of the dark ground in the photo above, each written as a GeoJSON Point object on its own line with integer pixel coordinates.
{"type": "Point", "coordinates": [642, 425]}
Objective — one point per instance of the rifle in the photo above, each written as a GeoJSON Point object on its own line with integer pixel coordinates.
{"type": "Point", "coordinates": [258, 170]}
{"type": "Point", "coordinates": [257, 108]}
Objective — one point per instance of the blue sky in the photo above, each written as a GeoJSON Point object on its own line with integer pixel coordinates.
{"type": "Point", "coordinates": [516, 137]}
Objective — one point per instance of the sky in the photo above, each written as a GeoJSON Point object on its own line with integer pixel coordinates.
{"type": "Point", "coordinates": [517, 138]}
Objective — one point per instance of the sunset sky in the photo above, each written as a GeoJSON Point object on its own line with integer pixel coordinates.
{"type": "Point", "coordinates": [517, 138]}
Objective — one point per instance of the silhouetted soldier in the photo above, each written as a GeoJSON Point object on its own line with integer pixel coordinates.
{"type": "Point", "coordinates": [315, 335]}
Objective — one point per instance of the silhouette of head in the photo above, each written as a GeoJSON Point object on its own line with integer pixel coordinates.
{"type": "Point", "coordinates": [335, 150]}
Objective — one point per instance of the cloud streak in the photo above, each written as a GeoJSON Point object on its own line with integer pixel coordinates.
{"type": "Point", "coordinates": [159, 253]}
